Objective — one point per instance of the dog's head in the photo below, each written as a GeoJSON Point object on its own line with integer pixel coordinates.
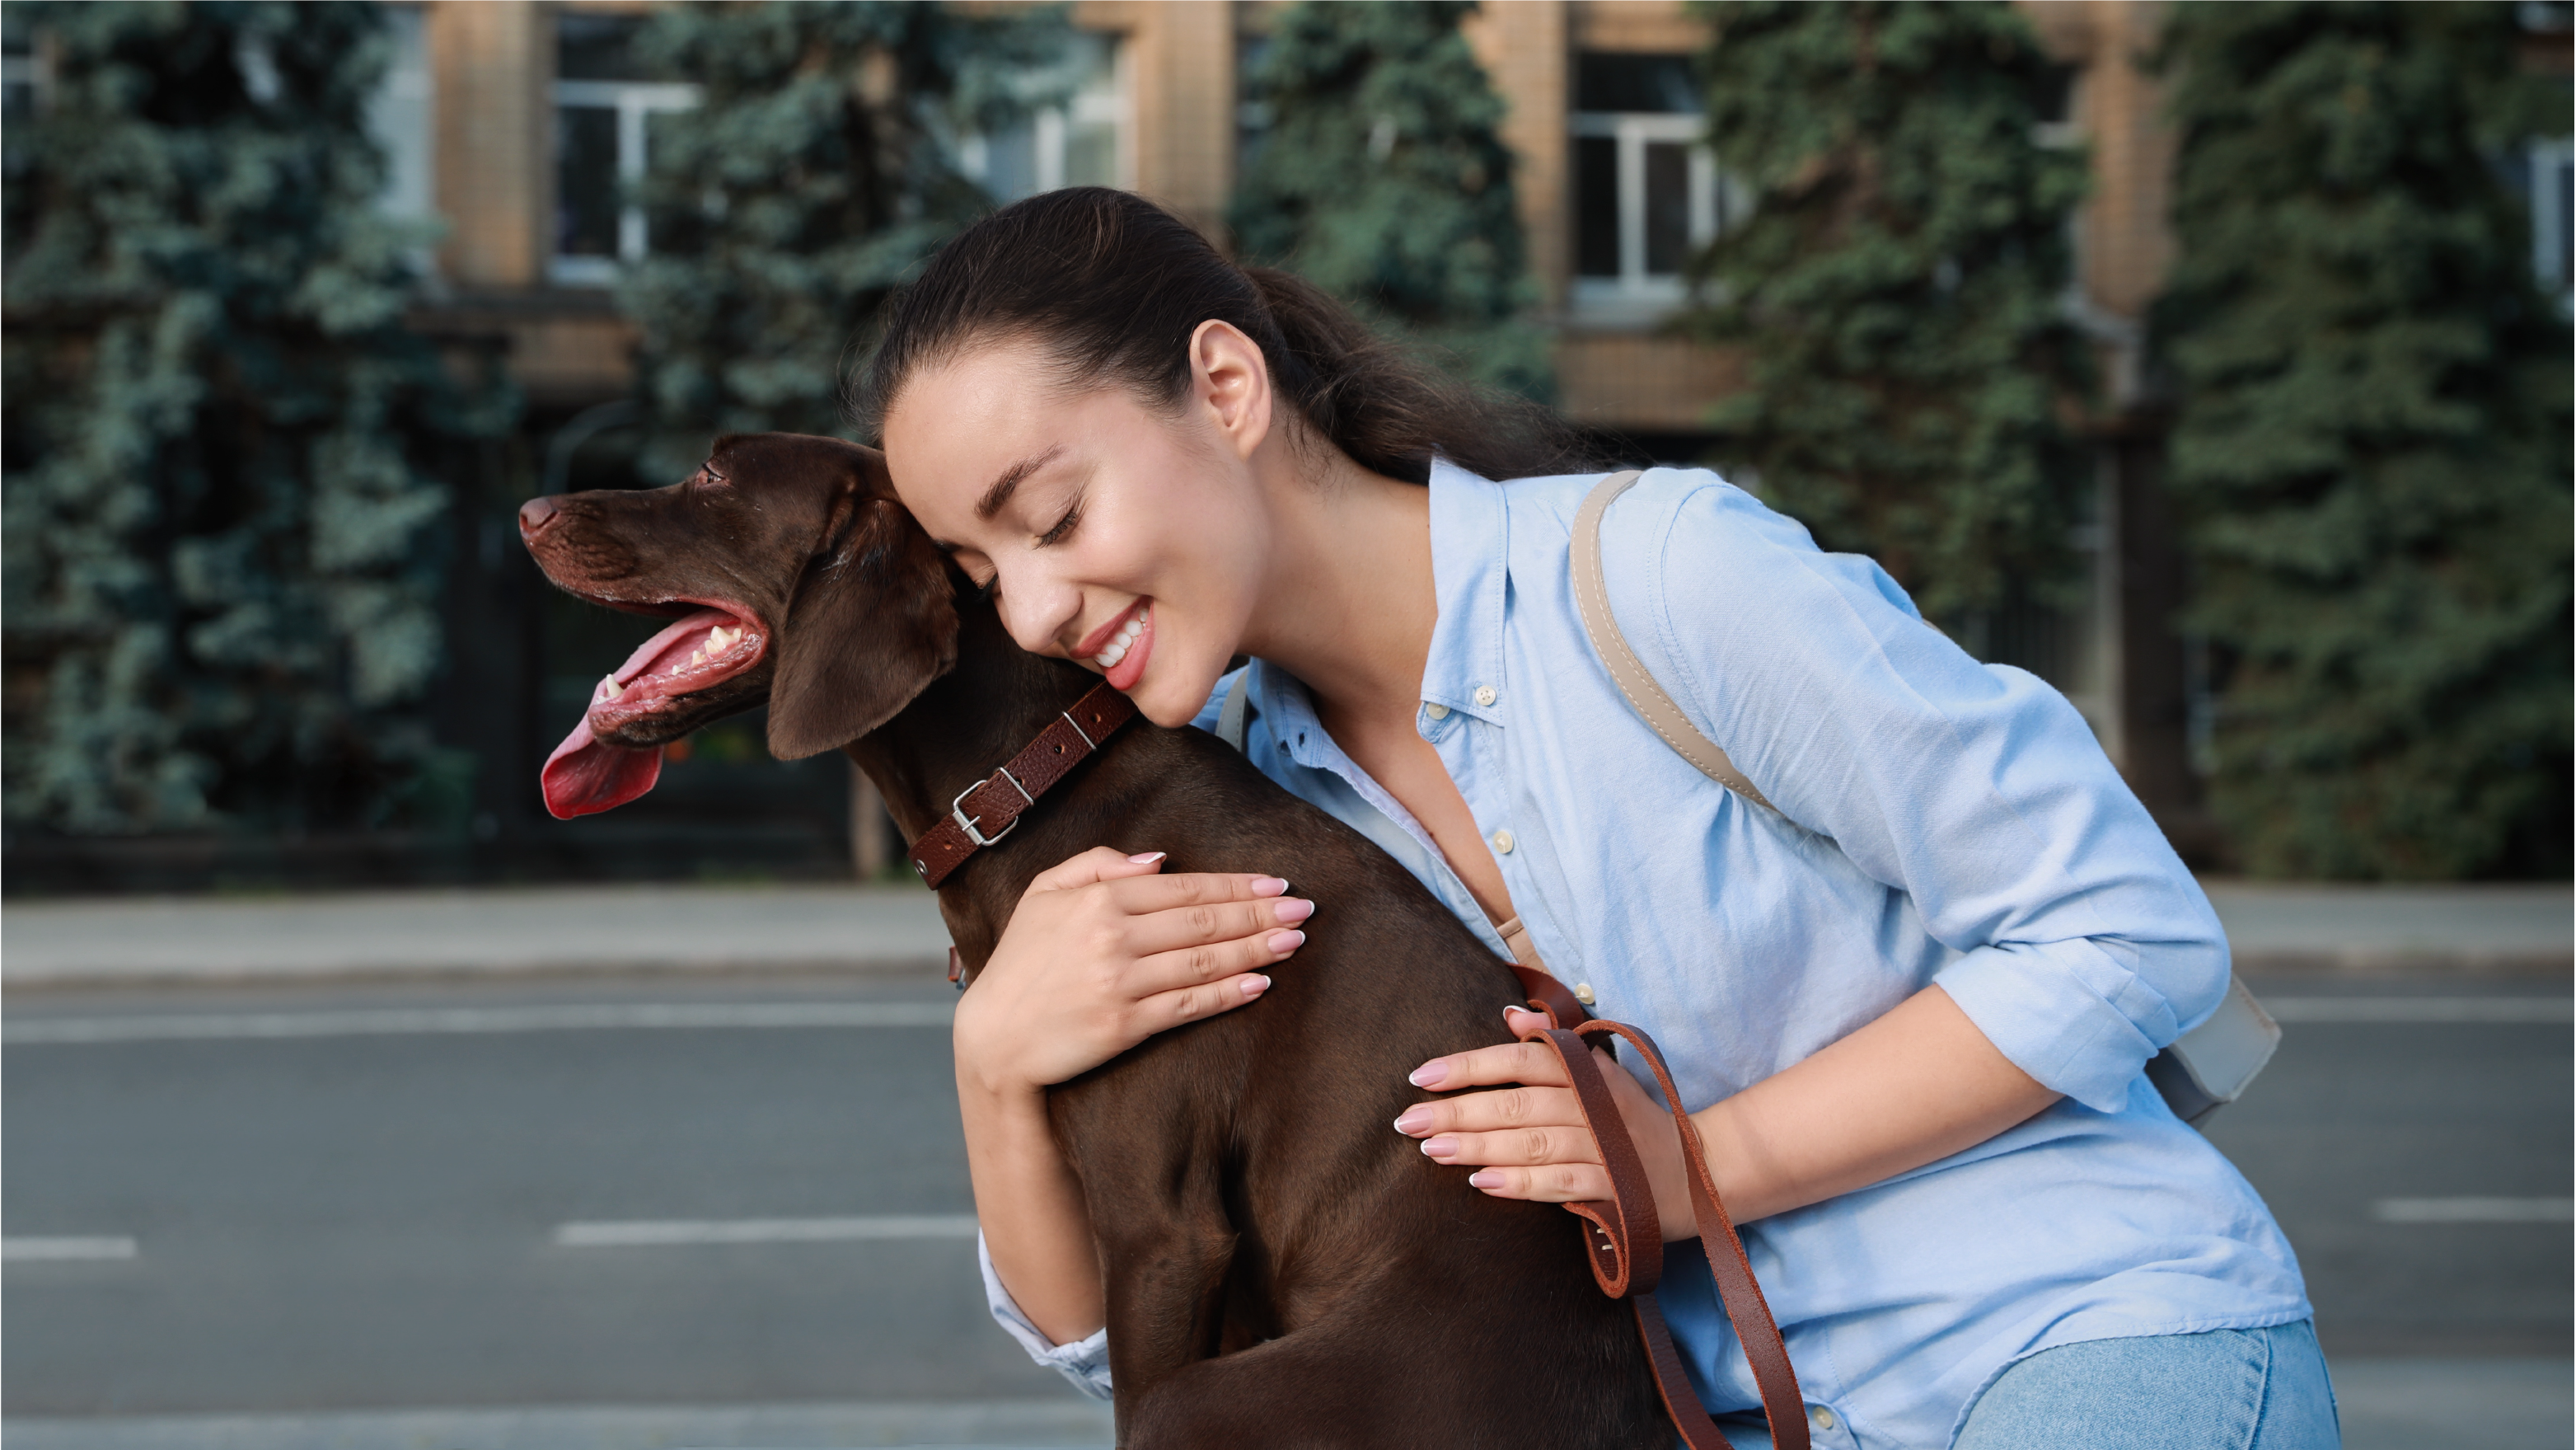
{"type": "Point", "coordinates": [792, 575]}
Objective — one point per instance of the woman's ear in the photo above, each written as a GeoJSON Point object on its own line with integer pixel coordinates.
{"type": "Point", "coordinates": [1232, 380]}
{"type": "Point", "coordinates": [872, 623]}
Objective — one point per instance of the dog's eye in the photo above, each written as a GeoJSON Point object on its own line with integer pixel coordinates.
{"type": "Point", "coordinates": [708, 477]}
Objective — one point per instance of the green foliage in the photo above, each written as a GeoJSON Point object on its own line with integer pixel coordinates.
{"type": "Point", "coordinates": [1899, 286]}
{"type": "Point", "coordinates": [223, 517]}
{"type": "Point", "coordinates": [813, 178]}
{"type": "Point", "coordinates": [1383, 179]}
{"type": "Point", "coordinates": [2373, 441]}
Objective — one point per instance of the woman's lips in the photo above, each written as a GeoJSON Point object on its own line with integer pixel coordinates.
{"type": "Point", "coordinates": [1098, 640]}
{"type": "Point", "coordinates": [1130, 667]}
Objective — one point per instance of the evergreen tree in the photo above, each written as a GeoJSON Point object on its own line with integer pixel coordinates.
{"type": "Point", "coordinates": [2373, 438]}
{"type": "Point", "coordinates": [1381, 177]}
{"type": "Point", "coordinates": [815, 174]}
{"type": "Point", "coordinates": [221, 490]}
{"type": "Point", "coordinates": [1899, 285]}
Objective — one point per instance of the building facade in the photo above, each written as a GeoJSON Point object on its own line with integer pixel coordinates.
{"type": "Point", "coordinates": [515, 123]}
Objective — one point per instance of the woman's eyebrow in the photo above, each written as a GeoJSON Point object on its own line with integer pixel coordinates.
{"type": "Point", "coordinates": [1000, 493]}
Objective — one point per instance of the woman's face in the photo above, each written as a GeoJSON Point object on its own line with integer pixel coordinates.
{"type": "Point", "coordinates": [1126, 538]}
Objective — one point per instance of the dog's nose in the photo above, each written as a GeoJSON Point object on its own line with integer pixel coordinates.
{"type": "Point", "coordinates": [534, 515]}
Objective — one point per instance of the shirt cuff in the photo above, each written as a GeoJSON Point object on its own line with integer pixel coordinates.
{"type": "Point", "coordinates": [1085, 1362]}
{"type": "Point", "coordinates": [2068, 1014]}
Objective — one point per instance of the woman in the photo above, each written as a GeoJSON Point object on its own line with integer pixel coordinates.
{"type": "Point", "coordinates": [1910, 1008]}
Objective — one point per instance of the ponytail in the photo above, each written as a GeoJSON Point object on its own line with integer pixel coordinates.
{"type": "Point", "coordinates": [1112, 287]}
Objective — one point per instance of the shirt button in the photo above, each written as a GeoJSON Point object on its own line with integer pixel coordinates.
{"type": "Point", "coordinates": [1583, 993]}
{"type": "Point", "coordinates": [1503, 842]}
{"type": "Point", "coordinates": [1436, 712]}
{"type": "Point", "coordinates": [1820, 1417]}
{"type": "Point", "coordinates": [1484, 694]}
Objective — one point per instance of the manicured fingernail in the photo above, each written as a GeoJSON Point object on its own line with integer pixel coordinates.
{"type": "Point", "coordinates": [1268, 885]}
{"type": "Point", "coordinates": [1414, 1121]}
{"type": "Point", "coordinates": [1148, 859]}
{"type": "Point", "coordinates": [1255, 986]}
{"type": "Point", "coordinates": [1429, 1074]}
{"type": "Point", "coordinates": [1443, 1148]}
{"type": "Point", "coordinates": [1294, 908]}
{"type": "Point", "coordinates": [1485, 1178]}
{"type": "Point", "coordinates": [1286, 941]}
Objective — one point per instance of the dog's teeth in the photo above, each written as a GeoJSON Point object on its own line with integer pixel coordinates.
{"type": "Point", "coordinates": [675, 669]}
{"type": "Point", "coordinates": [698, 658]}
{"type": "Point", "coordinates": [609, 689]}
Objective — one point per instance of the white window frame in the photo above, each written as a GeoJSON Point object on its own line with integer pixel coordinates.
{"type": "Point", "coordinates": [1051, 126]}
{"type": "Point", "coordinates": [1635, 297]}
{"type": "Point", "coordinates": [633, 101]}
{"type": "Point", "coordinates": [402, 117]}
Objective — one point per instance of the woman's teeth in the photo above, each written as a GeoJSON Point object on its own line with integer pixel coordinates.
{"type": "Point", "coordinates": [1108, 659]}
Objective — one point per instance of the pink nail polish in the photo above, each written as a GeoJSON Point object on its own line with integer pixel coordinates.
{"type": "Point", "coordinates": [1255, 986]}
{"type": "Point", "coordinates": [1294, 909]}
{"type": "Point", "coordinates": [1148, 859]}
{"type": "Point", "coordinates": [1486, 1178]}
{"type": "Point", "coordinates": [1413, 1121]}
{"type": "Point", "coordinates": [1286, 941]}
{"type": "Point", "coordinates": [1268, 886]}
{"type": "Point", "coordinates": [1428, 1075]}
{"type": "Point", "coordinates": [1443, 1148]}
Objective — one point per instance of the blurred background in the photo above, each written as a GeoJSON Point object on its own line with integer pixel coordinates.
{"type": "Point", "coordinates": [2211, 362]}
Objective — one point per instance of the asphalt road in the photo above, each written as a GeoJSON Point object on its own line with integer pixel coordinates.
{"type": "Point", "coordinates": [529, 1195]}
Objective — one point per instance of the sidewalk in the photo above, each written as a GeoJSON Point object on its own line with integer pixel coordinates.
{"type": "Point", "coordinates": [2516, 929]}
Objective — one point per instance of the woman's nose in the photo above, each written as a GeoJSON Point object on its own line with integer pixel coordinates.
{"type": "Point", "coordinates": [1037, 610]}
{"type": "Point", "coordinates": [534, 515]}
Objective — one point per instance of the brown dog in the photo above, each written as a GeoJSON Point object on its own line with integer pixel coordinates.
{"type": "Point", "coordinates": [1282, 1267]}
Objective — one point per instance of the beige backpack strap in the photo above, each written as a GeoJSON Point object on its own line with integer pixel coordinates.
{"type": "Point", "coordinates": [1645, 696]}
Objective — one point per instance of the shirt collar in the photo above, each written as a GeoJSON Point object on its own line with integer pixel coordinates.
{"type": "Point", "coordinates": [1470, 530]}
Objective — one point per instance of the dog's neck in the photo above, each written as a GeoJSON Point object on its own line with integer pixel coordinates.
{"type": "Point", "coordinates": [967, 722]}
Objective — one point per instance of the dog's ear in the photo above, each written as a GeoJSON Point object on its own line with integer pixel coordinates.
{"type": "Point", "coordinates": [873, 622]}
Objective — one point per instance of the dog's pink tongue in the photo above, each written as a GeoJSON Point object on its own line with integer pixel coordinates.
{"type": "Point", "coordinates": [584, 776]}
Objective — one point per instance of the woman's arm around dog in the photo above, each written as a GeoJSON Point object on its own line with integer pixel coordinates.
{"type": "Point", "coordinates": [1102, 953]}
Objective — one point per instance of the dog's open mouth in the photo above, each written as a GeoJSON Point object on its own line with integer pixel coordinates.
{"type": "Point", "coordinates": [588, 772]}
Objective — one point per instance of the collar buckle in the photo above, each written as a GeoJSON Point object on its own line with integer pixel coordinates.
{"type": "Point", "coordinates": [967, 823]}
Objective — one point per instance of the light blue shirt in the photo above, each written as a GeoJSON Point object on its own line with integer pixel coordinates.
{"type": "Point", "coordinates": [1940, 822]}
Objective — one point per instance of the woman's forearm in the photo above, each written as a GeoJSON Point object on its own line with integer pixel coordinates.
{"type": "Point", "coordinates": [1031, 1208]}
{"type": "Point", "coordinates": [1915, 1086]}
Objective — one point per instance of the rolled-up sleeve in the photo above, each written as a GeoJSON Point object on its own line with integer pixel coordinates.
{"type": "Point", "coordinates": [1085, 1362]}
{"type": "Point", "coordinates": [2083, 946]}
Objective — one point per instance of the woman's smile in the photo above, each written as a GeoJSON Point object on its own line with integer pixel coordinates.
{"type": "Point", "coordinates": [1119, 648]}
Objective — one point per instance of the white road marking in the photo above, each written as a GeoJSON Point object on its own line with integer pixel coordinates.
{"type": "Point", "coordinates": [2412, 1010]}
{"type": "Point", "coordinates": [65, 1249]}
{"type": "Point", "coordinates": [2474, 1210]}
{"type": "Point", "coordinates": [647, 1233]}
{"type": "Point", "coordinates": [422, 1021]}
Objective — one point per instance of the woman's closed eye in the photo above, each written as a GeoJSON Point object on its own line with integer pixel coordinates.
{"type": "Point", "coordinates": [1064, 527]}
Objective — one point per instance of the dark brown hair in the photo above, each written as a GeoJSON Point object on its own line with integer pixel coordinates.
{"type": "Point", "coordinates": [1112, 286]}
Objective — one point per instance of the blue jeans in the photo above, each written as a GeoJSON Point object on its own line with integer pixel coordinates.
{"type": "Point", "coordinates": [2228, 1389]}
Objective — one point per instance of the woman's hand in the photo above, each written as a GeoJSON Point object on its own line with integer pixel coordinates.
{"type": "Point", "coordinates": [1102, 952]}
{"type": "Point", "coordinates": [1528, 1140]}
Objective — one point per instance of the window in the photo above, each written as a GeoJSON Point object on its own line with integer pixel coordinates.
{"type": "Point", "coordinates": [400, 120]}
{"type": "Point", "coordinates": [1646, 192]}
{"type": "Point", "coordinates": [2548, 163]}
{"type": "Point", "coordinates": [603, 128]}
{"type": "Point", "coordinates": [21, 71]}
{"type": "Point", "coordinates": [1084, 142]}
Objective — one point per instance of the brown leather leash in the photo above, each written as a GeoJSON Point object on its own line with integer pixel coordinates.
{"type": "Point", "coordinates": [1628, 1257]}
{"type": "Point", "coordinates": [1626, 1235]}
{"type": "Point", "coordinates": [985, 812]}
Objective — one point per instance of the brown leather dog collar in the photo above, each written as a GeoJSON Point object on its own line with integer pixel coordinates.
{"type": "Point", "coordinates": [988, 810]}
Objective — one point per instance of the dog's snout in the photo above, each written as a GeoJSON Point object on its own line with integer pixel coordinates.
{"type": "Point", "coordinates": [534, 515]}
